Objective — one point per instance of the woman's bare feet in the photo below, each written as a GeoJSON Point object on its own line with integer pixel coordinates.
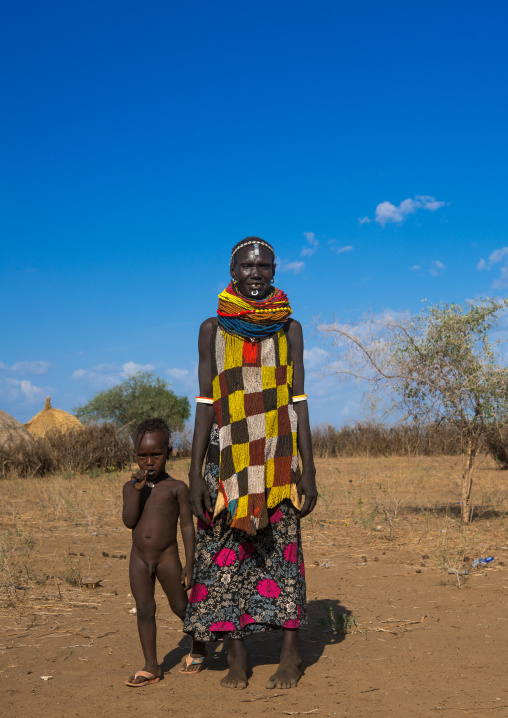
{"type": "Point", "coordinates": [238, 666]}
{"type": "Point", "coordinates": [288, 673]}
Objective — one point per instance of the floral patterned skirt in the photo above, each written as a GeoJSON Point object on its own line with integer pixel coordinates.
{"type": "Point", "coordinates": [244, 584]}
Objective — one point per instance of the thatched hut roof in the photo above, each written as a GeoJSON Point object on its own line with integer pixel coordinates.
{"type": "Point", "coordinates": [50, 418]}
{"type": "Point", "coordinates": [12, 432]}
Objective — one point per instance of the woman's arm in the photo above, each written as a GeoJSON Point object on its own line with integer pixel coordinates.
{"type": "Point", "coordinates": [307, 483]}
{"type": "Point", "coordinates": [200, 499]}
{"type": "Point", "coordinates": [188, 534]}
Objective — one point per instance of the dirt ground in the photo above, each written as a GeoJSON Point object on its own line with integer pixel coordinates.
{"type": "Point", "coordinates": [394, 628]}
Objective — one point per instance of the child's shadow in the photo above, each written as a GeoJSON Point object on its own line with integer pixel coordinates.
{"type": "Point", "coordinates": [328, 623]}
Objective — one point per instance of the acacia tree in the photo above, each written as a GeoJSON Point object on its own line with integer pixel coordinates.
{"type": "Point", "coordinates": [142, 396]}
{"type": "Point", "coordinates": [439, 365]}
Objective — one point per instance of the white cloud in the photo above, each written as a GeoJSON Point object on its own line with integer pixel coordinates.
{"type": "Point", "coordinates": [387, 213]}
{"type": "Point", "coordinates": [26, 367]}
{"type": "Point", "coordinates": [436, 268]}
{"type": "Point", "coordinates": [295, 267]}
{"type": "Point", "coordinates": [363, 220]}
{"type": "Point", "coordinates": [178, 373]}
{"type": "Point", "coordinates": [130, 368]}
{"type": "Point", "coordinates": [430, 203]}
{"type": "Point", "coordinates": [23, 388]}
{"type": "Point", "coordinates": [332, 243]}
{"type": "Point", "coordinates": [103, 375]}
{"type": "Point", "coordinates": [314, 244]}
{"type": "Point", "coordinates": [496, 257]}
{"type": "Point", "coordinates": [30, 367]}
{"type": "Point", "coordinates": [502, 281]}
{"type": "Point", "coordinates": [314, 357]}
{"type": "Point", "coordinates": [416, 266]}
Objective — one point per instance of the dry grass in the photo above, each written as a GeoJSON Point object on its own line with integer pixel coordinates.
{"type": "Point", "coordinates": [370, 439]}
{"type": "Point", "coordinates": [404, 504]}
{"type": "Point", "coordinates": [411, 506]}
{"type": "Point", "coordinates": [92, 448]}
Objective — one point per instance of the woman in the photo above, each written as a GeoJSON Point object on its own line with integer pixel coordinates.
{"type": "Point", "coordinates": [253, 420]}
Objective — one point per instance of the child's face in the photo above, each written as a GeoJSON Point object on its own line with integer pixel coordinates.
{"type": "Point", "coordinates": [152, 453]}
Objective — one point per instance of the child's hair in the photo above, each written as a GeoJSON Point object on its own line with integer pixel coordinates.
{"type": "Point", "coordinates": [149, 426]}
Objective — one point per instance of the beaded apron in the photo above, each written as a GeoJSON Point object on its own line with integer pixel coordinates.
{"type": "Point", "coordinates": [252, 399]}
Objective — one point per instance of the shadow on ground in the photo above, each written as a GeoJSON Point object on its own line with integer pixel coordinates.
{"type": "Point", "coordinates": [327, 621]}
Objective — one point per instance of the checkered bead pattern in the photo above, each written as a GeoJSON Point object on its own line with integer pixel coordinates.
{"type": "Point", "coordinates": [252, 399]}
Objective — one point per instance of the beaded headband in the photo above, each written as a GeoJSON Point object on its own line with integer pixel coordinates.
{"type": "Point", "coordinates": [256, 248]}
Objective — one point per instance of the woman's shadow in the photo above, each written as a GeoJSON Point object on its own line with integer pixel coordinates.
{"type": "Point", "coordinates": [328, 623]}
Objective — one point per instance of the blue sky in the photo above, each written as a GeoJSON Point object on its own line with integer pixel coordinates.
{"type": "Point", "coordinates": [367, 141]}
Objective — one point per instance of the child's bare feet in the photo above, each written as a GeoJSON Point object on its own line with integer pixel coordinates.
{"type": "Point", "coordinates": [238, 666]}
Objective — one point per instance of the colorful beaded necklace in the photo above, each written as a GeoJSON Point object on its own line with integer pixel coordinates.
{"type": "Point", "coordinates": [252, 319]}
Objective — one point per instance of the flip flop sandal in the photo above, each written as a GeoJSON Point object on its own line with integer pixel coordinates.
{"type": "Point", "coordinates": [150, 678]}
{"type": "Point", "coordinates": [190, 661]}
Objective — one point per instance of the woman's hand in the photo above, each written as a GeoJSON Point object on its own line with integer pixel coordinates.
{"type": "Point", "coordinates": [139, 479]}
{"type": "Point", "coordinates": [200, 499]}
{"type": "Point", "coordinates": [307, 486]}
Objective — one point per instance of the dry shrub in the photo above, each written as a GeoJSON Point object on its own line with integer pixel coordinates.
{"type": "Point", "coordinates": [369, 439]}
{"type": "Point", "coordinates": [496, 442]}
{"type": "Point", "coordinates": [96, 446]}
{"type": "Point", "coordinates": [182, 443]}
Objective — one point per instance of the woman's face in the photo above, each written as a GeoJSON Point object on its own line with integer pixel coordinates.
{"type": "Point", "coordinates": [253, 271]}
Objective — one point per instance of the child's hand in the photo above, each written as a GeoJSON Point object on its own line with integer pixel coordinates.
{"type": "Point", "coordinates": [186, 579]}
{"type": "Point", "coordinates": [139, 479]}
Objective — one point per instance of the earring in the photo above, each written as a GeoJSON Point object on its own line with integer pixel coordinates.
{"type": "Point", "coordinates": [273, 280]}
{"type": "Point", "coordinates": [234, 282]}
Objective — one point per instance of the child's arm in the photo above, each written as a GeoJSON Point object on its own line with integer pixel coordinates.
{"type": "Point", "coordinates": [132, 499]}
{"type": "Point", "coordinates": [188, 534]}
